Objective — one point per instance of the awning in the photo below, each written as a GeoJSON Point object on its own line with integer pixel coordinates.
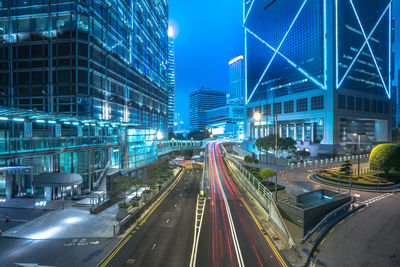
{"type": "Point", "coordinates": [57, 179]}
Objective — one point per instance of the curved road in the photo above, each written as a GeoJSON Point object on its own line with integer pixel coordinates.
{"type": "Point", "coordinates": [230, 235]}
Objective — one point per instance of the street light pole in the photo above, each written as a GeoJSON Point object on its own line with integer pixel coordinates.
{"type": "Point", "coordinates": [276, 148]}
{"type": "Point", "coordinates": [358, 152]}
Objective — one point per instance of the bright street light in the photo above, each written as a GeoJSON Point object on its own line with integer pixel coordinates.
{"type": "Point", "coordinates": [257, 116]}
{"type": "Point", "coordinates": [159, 135]}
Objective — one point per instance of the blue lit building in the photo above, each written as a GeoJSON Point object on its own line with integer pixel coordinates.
{"type": "Point", "coordinates": [236, 81]}
{"type": "Point", "coordinates": [201, 101]}
{"type": "Point", "coordinates": [171, 81]}
{"type": "Point", "coordinates": [323, 67]}
{"type": "Point", "coordinates": [226, 122]}
{"type": "Point", "coordinates": [83, 86]}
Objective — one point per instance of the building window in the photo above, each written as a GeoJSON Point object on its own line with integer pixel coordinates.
{"type": "Point", "coordinates": [373, 106]}
{"type": "Point", "coordinates": [342, 102]}
{"type": "Point", "coordinates": [367, 107]}
{"type": "Point", "coordinates": [350, 102]}
{"type": "Point", "coordinates": [317, 102]}
{"type": "Point", "coordinates": [380, 107]}
{"type": "Point", "coordinates": [387, 107]}
{"type": "Point", "coordinates": [288, 107]}
{"type": "Point", "coordinates": [249, 112]}
{"type": "Point", "coordinates": [301, 105]}
{"type": "Point", "coordinates": [257, 109]}
{"type": "Point", "coordinates": [277, 108]}
{"type": "Point", "coordinates": [359, 104]}
{"type": "Point", "coordinates": [267, 110]}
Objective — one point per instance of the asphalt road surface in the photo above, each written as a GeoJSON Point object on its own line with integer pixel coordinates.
{"type": "Point", "coordinates": [229, 234]}
{"type": "Point", "coordinates": [166, 237]}
{"type": "Point", "coordinates": [371, 237]}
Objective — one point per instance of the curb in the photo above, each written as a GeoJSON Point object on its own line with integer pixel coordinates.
{"type": "Point", "coordinates": [316, 178]}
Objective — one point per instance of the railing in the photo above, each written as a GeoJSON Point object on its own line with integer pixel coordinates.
{"type": "Point", "coordinates": [332, 215]}
{"type": "Point", "coordinates": [166, 147]}
{"type": "Point", "coordinates": [102, 175]}
{"type": "Point", "coordinates": [270, 206]}
{"type": "Point", "coordinates": [329, 161]}
{"type": "Point", "coordinates": [256, 183]}
{"type": "Point", "coordinates": [35, 144]}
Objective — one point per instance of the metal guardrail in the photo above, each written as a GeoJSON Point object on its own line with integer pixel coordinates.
{"type": "Point", "coordinates": [271, 207]}
{"type": "Point", "coordinates": [257, 184]}
{"type": "Point", "coordinates": [327, 218]}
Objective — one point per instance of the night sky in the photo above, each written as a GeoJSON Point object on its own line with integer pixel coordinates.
{"type": "Point", "coordinates": [208, 34]}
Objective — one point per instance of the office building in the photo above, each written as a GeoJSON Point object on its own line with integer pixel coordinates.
{"type": "Point", "coordinates": [201, 101]}
{"type": "Point", "coordinates": [83, 87]}
{"type": "Point", "coordinates": [236, 81]}
{"type": "Point", "coordinates": [323, 68]}
{"type": "Point", "coordinates": [171, 80]}
{"type": "Point", "coordinates": [226, 122]}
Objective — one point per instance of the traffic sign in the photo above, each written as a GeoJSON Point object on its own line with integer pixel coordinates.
{"type": "Point", "coordinates": [350, 180]}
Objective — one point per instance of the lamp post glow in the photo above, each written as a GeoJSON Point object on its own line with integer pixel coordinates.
{"type": "Point", "coordinates": [159, 136]}
{"type": "Point", "coordinates": [257, 117]}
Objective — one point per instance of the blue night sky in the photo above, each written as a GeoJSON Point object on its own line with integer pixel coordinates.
{"type": "Point", "coordinates": [208, 34]}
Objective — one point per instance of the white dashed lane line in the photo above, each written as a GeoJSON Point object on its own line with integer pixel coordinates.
{"type": "Point", "coordinates": [377, 198]}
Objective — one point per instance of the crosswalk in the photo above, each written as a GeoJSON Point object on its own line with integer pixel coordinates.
{"type": "Point", "coordinates": [377, 198]}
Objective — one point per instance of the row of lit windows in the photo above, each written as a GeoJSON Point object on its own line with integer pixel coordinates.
{"type": "Point", "coordinates": [317, 103]}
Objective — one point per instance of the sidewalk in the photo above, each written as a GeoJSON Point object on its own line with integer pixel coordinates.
{"type": "Point", "coordinates": [67, 223]}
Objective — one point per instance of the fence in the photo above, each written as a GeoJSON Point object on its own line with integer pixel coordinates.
{"type": "Point", "coordinates": [262, 194]}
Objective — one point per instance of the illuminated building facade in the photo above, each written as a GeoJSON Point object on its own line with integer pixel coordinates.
{"type": "Point", "coordinates": [83, 86]}
{"type": "Point", "coordinates": [323, 67]}
{"type": "Point", "coordinates": [171, 81]}
{"type": "Point", "coordinates": [236, 81]}
{"type": "Point", "coordinates": [201, 101]}
{"type": "Point", "coordinates": [226, 122]}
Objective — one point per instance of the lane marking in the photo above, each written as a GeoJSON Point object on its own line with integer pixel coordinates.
{"type": "Point", "coordinates": [176, 205]}
{"type": "Point", "coordinates": [129, 236]}
{"type": "Point", "coordinates": [272, 246]}
{"type": "Point", "coordinates": [377, 198]}
{"type": "Point", "coordinates": [167, 220]}
{"type": "Point", "coordinates": [154, 246]}
{"type": "Point", "coordinates": [230, 220]}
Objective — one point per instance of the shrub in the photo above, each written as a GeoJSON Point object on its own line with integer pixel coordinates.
{"type": "Point", "coordinates": [384, 157]}
{"type": "Point", "coordinates": [124, 205]}
{"type": "Point", "coordinates": [248, 159]}
{"type": "Point", "coordinates": [267, 173]}
{"type": "Point", "coordinates": [346, 167]}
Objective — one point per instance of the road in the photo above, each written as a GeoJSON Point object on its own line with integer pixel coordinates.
{"type": "Point", "coordinates": [369, 238]}
{"type": "Point", "coordinates": [229, 234]}
{"type": "Point", "coordinates": [166, 237]}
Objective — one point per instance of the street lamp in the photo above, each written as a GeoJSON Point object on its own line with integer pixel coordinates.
{"type": "Point", "coordinates": [257, 117]}
{"type": "Point", "coordinates": [358, 136]}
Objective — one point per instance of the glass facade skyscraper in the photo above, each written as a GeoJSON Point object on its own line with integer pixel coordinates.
{"type": "Point", "coordinates": [201, 101]}
{"type": "Point", "coordinates": [322, 66]}
{"type": "Point", "coordinates": [236, 81]}
{"type": "Point", "coordinates": [99, 59]}
{"type": "Point", "coordinates": [171, 84]}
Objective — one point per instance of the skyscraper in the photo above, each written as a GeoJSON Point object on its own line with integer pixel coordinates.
{"type": "Point", "coordinates": [324, 68]}
{"type": "Point", "coordinates": [236, 81]}
{"type": "Point", "coordinates": [95, 59]}
{"type": "Point", "coordinates": [202, 100]}
{"type": "Point", "coordinates": [171, 80]}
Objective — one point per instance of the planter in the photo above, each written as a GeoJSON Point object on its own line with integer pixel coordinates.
{"type": "Point", "coordinates": [122, 213]}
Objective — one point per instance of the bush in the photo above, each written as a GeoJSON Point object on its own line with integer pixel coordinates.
{"type": "Point", "coordinates": [256, 161]}
{"type": "Point", "coordinates": [124, 205]}
{"type": "Point", "coordinates": [248, 159]}
{"type": "Point", "coordinates": [267, 173]}
{"type": "Point", "coordinates": [385, 157]}
{"type": "Point", "coordinates": [346, 168]}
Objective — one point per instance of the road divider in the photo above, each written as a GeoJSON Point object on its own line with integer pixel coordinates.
{"type": "Point", "coordinates": [200, 207]}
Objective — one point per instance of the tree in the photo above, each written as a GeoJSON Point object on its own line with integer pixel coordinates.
{"type": "Point", "coordinates": [267, 173]}
{"type": "Point", "coordinates": [122, 187]}
{"type": "Point", "coordinates": [346, 167]}
{"type": "Point", "coordinates": [248, 159]}
{"type": "Point", "coordinates": [384, 157]}
{"type": "Point", "coordinates": [287, 144]}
